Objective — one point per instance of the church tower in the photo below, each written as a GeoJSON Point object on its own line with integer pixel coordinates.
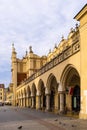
{"type": "Point", "coordinates": [14, 73]}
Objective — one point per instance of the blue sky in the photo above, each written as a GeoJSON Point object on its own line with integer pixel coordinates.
{"type": "Point", "coordinates": [39, 23]}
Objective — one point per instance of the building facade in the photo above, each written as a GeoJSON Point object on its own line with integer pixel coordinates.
{"type": "Point", "coordinates": [56, 82]}
{"type": "Point", "coordinates": [9, 95]}
{"type": "Point", "coordinates": [2, 87]}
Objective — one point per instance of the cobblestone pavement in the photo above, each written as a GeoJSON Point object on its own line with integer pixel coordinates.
{"type": "Point", "coordinates": [69, 123]}
{"type": "Point", "coordinates": [29, 125]}
{"type": "Point", "coordinates": [38, 120]}
{"type": "Point", "coordinates": [46, 124]}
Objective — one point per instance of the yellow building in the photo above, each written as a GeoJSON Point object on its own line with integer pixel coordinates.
{"type": "Point", "coordinates": [9, 95]}
{"type": "Point", "coordinates": [1, 93]}
{"type": "Point", "coordinates": [56, 82]}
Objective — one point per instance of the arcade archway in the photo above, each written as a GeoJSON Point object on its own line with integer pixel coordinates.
{"type": "Point", "coordinates": [33, 96]}
{"type": "Point", "coordinates": [52, 86]}
{"type": "Point", "coordinates": [71, 84]}
{"type": "Point", "coordinates": [42, 96]}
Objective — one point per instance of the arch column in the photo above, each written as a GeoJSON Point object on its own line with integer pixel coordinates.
{"type": "Point", "coordinates": [19, 104]}
{"type": "Point", "coordinates": [16, 100]}
{"type": "Point", "coordinates": [47, 92]}
{"type": "Point", "coordinates": [32, 100]}
{"type": "Point", "coordinates": [58, 96]}
{"type": "Point", "coordinates": [48, 102]}
{"type": "Point", "coordinates": [27, 100]}
{"type": "Point", "coordinates": [38, 105]}
{"type": "Point", "coordinates": [62, 102]}
{"type": "Point", "coordinates": [39, 102]}
{"type": "Point", "coordinates": [62, 99]}
{"type": "Point", "coordinates": [21, 101]}
{"type": "Point", "coordinates": [24, 100]}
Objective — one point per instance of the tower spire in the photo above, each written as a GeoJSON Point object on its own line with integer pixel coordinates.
{"type": "Point", "coordinates": [30, 49]}
{"type": "Point", "coordinates": [13, 49]}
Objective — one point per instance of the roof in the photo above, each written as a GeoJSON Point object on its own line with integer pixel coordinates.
{"type": "Point", "coordinates": [78, 14]}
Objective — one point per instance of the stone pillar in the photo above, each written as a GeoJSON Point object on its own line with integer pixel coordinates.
{"type": "Point", "coordinates": [17, 101]}
{"type": "Point", "coordinates": [47, 93]}
{"type": "Point", "coordinates": [41, 98]}
{"type": "Point", "coordinates": [32, 98]}
{"type": "Point", "coordinates": [58, 101]}
{"type": "Point", "coordinates": [39, 102]}
{"type": "Point", "coordinates": [25, 101]}
{"type": "Point", "coordinates": [30, 101]}
{"type": "Point", "coordinates": [21, 102]}
{"type": "Point", "coordinates": [61, 102]}
{"type": "Point", "coordinates": [48, 102]}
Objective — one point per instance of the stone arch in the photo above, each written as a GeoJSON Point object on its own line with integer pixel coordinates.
{"type": "Point", "coordinates": [52, 90]}
{"type": "Point", "coordinates": [52, 83]}
{"type": "Point", "coordinates": [48, 81]}
{"type": "Point", "coordinates": [41, 95]}
{"type": "Point", "coordinates": [22, 93]}
{"type": "Point", "coordinates": [40, 86]}
{"type": "Point", "coordinates": [25, 92]}
{"type": "Point", "coordinates": [33, 95]}
{"type": "Point", "coordinates": [28, 96]}
{"type": "Point", "coordinates": [69, 71]}
{"type": "Point", "coordinates": [70, 83]}
{"type": "Point", "coordinates": [33, 90]}
{"type": "Point", "coordinates": [28, 91]}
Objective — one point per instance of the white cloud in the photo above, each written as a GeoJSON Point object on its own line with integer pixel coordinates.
{"type": "Point", "coordinates": [39, 23]}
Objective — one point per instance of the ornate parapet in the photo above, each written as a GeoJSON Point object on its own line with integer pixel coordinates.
{"type": "Point", "coordinates": [71, 50]}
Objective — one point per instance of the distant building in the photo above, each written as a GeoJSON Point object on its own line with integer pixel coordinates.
{"type": "Point", "coordinates": [9, 94]}
{"type": "Point", "coordinates": [2, 87]}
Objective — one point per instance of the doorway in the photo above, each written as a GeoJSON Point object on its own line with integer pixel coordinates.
{"type": "Point", "coordinates": [76, 99]}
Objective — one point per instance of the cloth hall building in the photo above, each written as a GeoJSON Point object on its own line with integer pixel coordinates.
{"type": "Point", "coordinates": [56, 82]}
